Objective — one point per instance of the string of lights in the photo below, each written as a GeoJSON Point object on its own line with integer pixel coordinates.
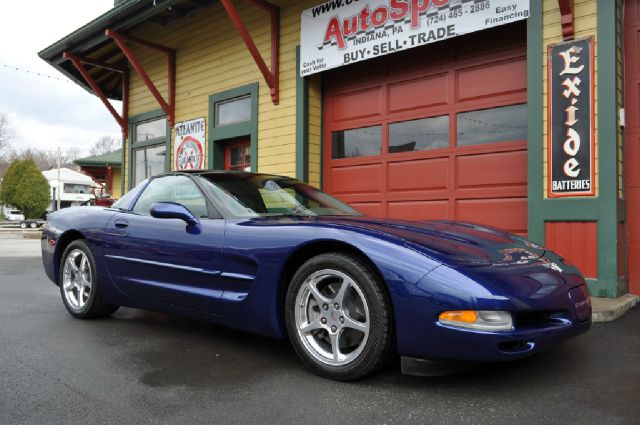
{"type": "Point", "coordinates": [13, 68]}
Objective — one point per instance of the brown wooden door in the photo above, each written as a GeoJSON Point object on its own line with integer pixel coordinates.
{"type": "Point", "coordinates": [437, 132]}
{"type": "Point", "coordinates": [632, 138]}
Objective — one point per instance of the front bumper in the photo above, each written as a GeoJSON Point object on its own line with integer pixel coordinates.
{"type": "Point", "coordinates": [549, 306]}
{"type": "Point", "coordinates": [475, 346]}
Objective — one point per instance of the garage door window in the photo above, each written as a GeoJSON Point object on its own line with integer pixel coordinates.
{"type": "Point", "coordinates": [357, 142]}
{"type": "Point", "coordinates": [503, 124]}
{"type": "Point", "coordinates": [419, 135]}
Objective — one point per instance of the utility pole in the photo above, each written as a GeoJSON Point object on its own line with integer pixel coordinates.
{"type": "Point", "coordinates": [59, 189]}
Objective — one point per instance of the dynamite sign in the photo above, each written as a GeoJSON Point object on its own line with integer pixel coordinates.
{"type": "Point", "coordinates": [571, 168]}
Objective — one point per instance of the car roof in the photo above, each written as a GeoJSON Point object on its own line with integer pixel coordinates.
{"type": "Point", "coordinates": [221, 172]}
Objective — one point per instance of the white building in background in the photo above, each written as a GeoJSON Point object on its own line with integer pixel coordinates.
{"type": "Point", "coordinates": [77, 188]}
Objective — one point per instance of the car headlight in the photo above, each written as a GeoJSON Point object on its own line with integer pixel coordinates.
{"type": "Point", "coordinates": [483, 320]}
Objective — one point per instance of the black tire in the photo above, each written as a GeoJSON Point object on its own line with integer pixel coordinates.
{"type": "Point", "coordinates": [23, 225]}
{"type": "Point", "coordinates": [95, 307]}
{"type": "Point", "coordinates": [376, 349]}
{"type": "Point", "coordinates": [33, 225]}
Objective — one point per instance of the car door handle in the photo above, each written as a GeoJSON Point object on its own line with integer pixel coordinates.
{"type": "Point", "coordinates": [121, 224]}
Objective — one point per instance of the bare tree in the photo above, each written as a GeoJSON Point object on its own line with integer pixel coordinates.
{"type": "Point", "coordinates": [6, 132]}
{"type": "Point", "coordinates": [45, 159]}
{"type": "Point", "coordinates": [105, 144]}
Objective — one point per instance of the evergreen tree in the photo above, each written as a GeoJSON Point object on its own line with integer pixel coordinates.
{"type": "Point", "coordinates": [25, 187]}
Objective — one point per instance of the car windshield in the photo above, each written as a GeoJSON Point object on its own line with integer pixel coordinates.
{"type": "Point", "coordinates": [261, 195]}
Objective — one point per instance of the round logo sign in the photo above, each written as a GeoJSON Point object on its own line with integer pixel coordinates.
{"type": "Point", "coordinates": [189, 154]}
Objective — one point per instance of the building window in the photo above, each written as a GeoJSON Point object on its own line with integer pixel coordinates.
{"type": "Point", "coordinates": [366, 141]}
{"type": "Point", "coordinates": [233, 111]}
{"type": "Point", "coordinates": [151, 131]}
{"type": "Point", "coordinates": [419, 135]}
{"type": "Point", "coordinates": [502, 124]}
{"type": "Point", "coordinates": [148, 162]}
{"type": "Point", "coordinates": [76, 188]}
{"type": "Point", "coordinates": [233, 135]}
{"type": "Point", "coordinates": [149, 149]}
{"type": "Point", "coordinates": [238, 156]}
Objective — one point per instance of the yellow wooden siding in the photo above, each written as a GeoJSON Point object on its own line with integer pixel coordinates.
{"type": "Point", "coordinates": [315, 130]}
{"type": "Point", "coordinates": [585, 15]}
{"type": "Point", "coordinates": [116, 183]}
{"type": "Point", "coordinates": [212, 58]}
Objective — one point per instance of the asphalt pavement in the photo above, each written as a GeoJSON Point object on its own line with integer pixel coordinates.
{"type": "Point", "coordinates": [147, 368]}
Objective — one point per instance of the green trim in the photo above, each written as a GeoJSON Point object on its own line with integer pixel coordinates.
{"type": "Point", "coordinates": [158, 113]}
{"type": "Point", "coordinates": [219, 134]}
{"type": "Point", "coordinates": [109, 159]}
{"type": "Point", "coordinates": [122, 173]}
{"type": "Point", "coordinates": [302, 123]}
{"type": "Point", "coordinates": [569, 209]}
{"type": "Point", "coordinates": [534, 122]}
{"type": "Point", "coordinates": [608, 285]}
{"type": "Point", "coordinates": [602, 209]}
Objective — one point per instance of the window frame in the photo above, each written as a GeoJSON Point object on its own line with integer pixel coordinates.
{"type": "Point", "coordinates": [133, 122]}
{"type": "Point", "coordinates": [218, 137]}
{"type": "Point", "coordinates": [218, 103]}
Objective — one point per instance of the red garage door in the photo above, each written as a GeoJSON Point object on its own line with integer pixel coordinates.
{"type": "Point", "coordinates": [434, 133]}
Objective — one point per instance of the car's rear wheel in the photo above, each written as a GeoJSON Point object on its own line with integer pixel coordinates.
{"type": "Point", "coordinates": [79, 283]}
{"type": "Point", "coordinates": [33, 225]}
{"type": "Point", "coordinates": [339, 317]}
{"type": "Point", "coordinates": [23, 225]}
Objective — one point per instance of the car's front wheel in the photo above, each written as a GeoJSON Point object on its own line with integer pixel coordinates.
{"type": "Point", "coordinates": [79, 283]}
{"type": "Point", "coordinates": [339, 317]}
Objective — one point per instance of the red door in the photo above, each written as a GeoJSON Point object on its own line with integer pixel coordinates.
{"type": "Point", "coordinates": [437, 132]}
{"type": "Point", "coordinates": [632, 138]}
{"type": "Point", "coordinates": [237, 155]}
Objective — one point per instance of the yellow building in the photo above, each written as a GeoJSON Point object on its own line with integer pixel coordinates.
{"type": "Point", "coordinates": [410, 109]}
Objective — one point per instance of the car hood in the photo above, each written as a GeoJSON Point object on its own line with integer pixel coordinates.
{"type": "Point", "coordinates": [454, 243]}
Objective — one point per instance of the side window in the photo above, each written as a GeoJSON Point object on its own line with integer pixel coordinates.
{"type": "Point", "coordinates": [178, 189]}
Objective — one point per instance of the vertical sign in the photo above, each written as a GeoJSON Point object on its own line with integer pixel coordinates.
{"type": "Point", "coordinates": [188, 145]}
{"type": "Point", "coordinates": [571, 161]}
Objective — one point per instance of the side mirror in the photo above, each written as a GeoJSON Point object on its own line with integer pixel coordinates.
{"type": "Point", "coordinates": [173, 210]}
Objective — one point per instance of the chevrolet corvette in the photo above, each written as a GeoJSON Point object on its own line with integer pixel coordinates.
{"type": "Point", "coordinates": [276, 257]}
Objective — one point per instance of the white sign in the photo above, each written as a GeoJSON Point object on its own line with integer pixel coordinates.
{"type": "Point", "coordinates": [188, 145]}
{"type": "Point", "coordinates": [340, 32]}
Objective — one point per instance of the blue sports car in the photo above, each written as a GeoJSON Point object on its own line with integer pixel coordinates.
{"type": "Point", "coordinates": [274, 256]}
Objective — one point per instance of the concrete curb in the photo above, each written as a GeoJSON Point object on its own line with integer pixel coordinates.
{"type": "Point", "coordinates": [608, 309]}
{"type": "Point", "coordinates": [20, 233]}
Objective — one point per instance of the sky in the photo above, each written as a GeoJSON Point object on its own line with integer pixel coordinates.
{"type": "Point", "coordinates": [46, 112]}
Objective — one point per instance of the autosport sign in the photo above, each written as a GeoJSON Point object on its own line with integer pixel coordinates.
{"type": "Point", "coordinates": [571, 161]}
{"type": "Point", "coordinates": [340, 32]}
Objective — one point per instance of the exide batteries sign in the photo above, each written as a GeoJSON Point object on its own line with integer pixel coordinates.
{"type": "Point", "coordinates": [571, 159]}
{"type": "Point", "coordinates": [339, 32]}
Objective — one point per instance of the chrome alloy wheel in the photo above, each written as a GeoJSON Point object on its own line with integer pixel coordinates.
{"type": "Point", "coordinates": [77, 279]}
{"type": "Point", "coordinates": [332, 317]}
